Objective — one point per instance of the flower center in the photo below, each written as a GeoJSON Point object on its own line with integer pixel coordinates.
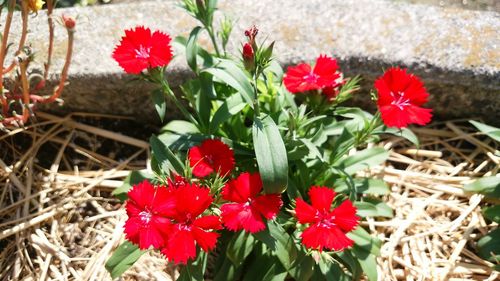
{"type": "Point", "coordinates": [311, 78]}
{"type": "Point", "coordinates": [142, 52]}
{"type": "Point", "coordinates": [399, 100]}
{"type": "Point", "coordinates": [145, 216]}
{"type": "Point", "coordinates": [210, 159]}
{"type": "Point", "coordinates": [326, 220]}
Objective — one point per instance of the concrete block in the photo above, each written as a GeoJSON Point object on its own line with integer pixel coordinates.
{"type": "Point", "coordinates": [455, 51]}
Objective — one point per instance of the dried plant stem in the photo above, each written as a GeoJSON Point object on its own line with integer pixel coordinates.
{"type": "Point", "coordinates": [50, 22]}
{"type": "Point", "coordinates": [3, 52]}
{"type": "Point", "coordinates": [64, 73]}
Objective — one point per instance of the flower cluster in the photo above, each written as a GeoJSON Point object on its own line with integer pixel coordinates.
{"type": "Point", "coordinates": [174, 219]}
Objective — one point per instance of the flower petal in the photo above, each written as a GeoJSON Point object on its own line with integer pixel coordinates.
{"type": "Point", "coordinates": [142, 194]}
{"type": "Point", "coordinates": [151, 236]}
{"type": "Point", "coordinates": [237, 216]}
{"type": "Point", "coordinates": [191, 201]}
{"type": "Point", "coordinates": [208, 222]}
{"type": "Point", "coordinates": [321, 197]}
{"type": "Point", "coordinates": [180, 247]}
{"type": "Point", "coordinates": [161, 52]}
{"type": "Point", "coordinates": [294, 79]}
{"type": "Point", "coordinates": [326, 69]}
{"type": "Point", "coordinates": [205, 239]}
{"type": "Point", "coordinates": [241, 189]}
{"type": "Point", "coordinates": [319, 237]}
{"type": "Point", "coordinates": [304, 212]}
{"type": "Point", "coordinates": [345, 216]}
{"type": "Point", "coordinates": [267, 205]}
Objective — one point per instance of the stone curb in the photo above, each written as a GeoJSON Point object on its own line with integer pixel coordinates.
{"type": "Point", "coordinates": [456, 52]}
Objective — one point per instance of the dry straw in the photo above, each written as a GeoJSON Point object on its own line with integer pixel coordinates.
{"type": "Point", "coordinates": [61, 223]}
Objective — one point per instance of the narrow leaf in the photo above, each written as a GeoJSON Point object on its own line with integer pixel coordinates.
{"type": "Point", "coordinates": [231, 106]}
{"type": "Point", "coordinates": [160, 103]}
{"type": "Point", "coordinates": [240, 247]}
{"type": "Point", "coordinates": [192, 48]}
{"type": "Point", "coordinates": [165, 157]}
{"type": "Point", "coordinates": [271, 155]}
{"type": "Point", "coordinates": [364, 159]}
{"type": "Point", "coordinates": [492, 213]}
{"type": "Point", "coordinates": [491, 131]}
{"type": "Point", "coordinates": [134, 177]}
{"type": "Point", "coordinates": [489, 186]}
{"type": "Point", "coordinates": [229, 73]}
{"type": "Point", "coordinates": [123, 258]}
{"type": "Point", "coordinates": [489, 246]}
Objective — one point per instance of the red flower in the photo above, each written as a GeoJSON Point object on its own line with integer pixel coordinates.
{"type": "Point", "coordinates": [400, 95]}
{"type": "Point", "coordinates": [302, 77]}
{"type": "Point", "coordinates": [249, 208]}
{"type": "Point", "coordinates": [211, 156]}
{"type": "Point", "coordinates": [189, 229]}
{"type": "Point", "coordinates": [327, 228]}
{"type": "Point", "coordinates": [146, 209]}
{"type": "Point", "coordinates": [139, 50]}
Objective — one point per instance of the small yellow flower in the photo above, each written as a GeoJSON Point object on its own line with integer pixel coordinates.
{"type": "Point", "coordinates": [35, 5]}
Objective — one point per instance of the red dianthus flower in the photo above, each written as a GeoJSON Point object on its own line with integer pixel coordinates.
{"type": "Point", "coordinates": [400, 95]}
{"type": "Point", "coordinates": [327, 228]}
{"type": "Point", "coordinates": [188, 227]}
{"type": "Point", "coordinates": [146, 209]}
{"type": "Point", "coordinates": [211, 156]}
{"type": "Point", "coordinates": [303, 77]}
{"type": "Point", "coordinates": [139, 50]}
{"type": "Point", "coordinates": [249, 208]}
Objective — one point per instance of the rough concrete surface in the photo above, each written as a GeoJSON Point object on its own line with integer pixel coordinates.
{"type": "Point", "coordinates": [455, 51]}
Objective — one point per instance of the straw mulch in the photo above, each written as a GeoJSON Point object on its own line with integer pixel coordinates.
{"type": "Point", "coordinates": [58, 220]}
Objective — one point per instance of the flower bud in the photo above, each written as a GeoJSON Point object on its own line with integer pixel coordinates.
{"type": "Point", "coordinates": [69, 22]}
{"type": "Point", "coordinates": [248, 57]}
{"type": "Point", "coordinates": [251, 33]}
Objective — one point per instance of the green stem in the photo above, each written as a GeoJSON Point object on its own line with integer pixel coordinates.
{"type": "Point", "coordinates": [212, 37]}
{"type": "Point", "coordinates": [169, 93]}
{"type": "Point", "coordinates": [256, 97]}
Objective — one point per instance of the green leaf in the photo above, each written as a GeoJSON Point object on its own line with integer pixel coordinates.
{"type": "Point", "coordinates": [363, 240]}
{"type": "Point", "coordinates": [229, 73]}
{"type": "Point", "coordinates": [160, 103]}
{"type": "Point", "coordinates": [265, 268]}
{"type": "Point", "coordinates": [404, 133]}
{"type": "Point", "coordinates": [489, 246]}
{"type": "Point", "coordinates": [373, 208]}
{"type": "Point", "coordinates": [332, 271]}
{"type": "Point", "coordinates": [165, 158]}
{"type": "Point", "coordinates": [123, 258]}
{"type": "Point", "coordinates": [231, 106]}
{"type": "Point", "coordinates": [280, 242]}
{"type": "Point", "coordinates": [194, 270]}
{"type": "Point", "coordinates": [271, 155]}
{"type": "Point", "coordinates": [134, 177]}
{"type": "Point", "coordinates": [489, 186]}
{"type": "Point", "coordinates": [364, 159]}
{"type": "Point", "coordinates": [240, 247]}
{"type": "Point", "coordinates": [192, 48]}
{"type": "Point", "coordinates": [492, 213]}
{"type": "Point", "coordinates": [364, 186]}
{"type": "Point", "coordinates": [203, 99]}
{"type": "Point", "coordinates": [367, 261]}
{"type": "Point", "coordinates": [303, 267]}
{"type": "Point", "coordinates": [491, 131]}
{"type": "Point", "coordinates": [228, 271]}
{"type": "Point", "coordinates": [179, 127]}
